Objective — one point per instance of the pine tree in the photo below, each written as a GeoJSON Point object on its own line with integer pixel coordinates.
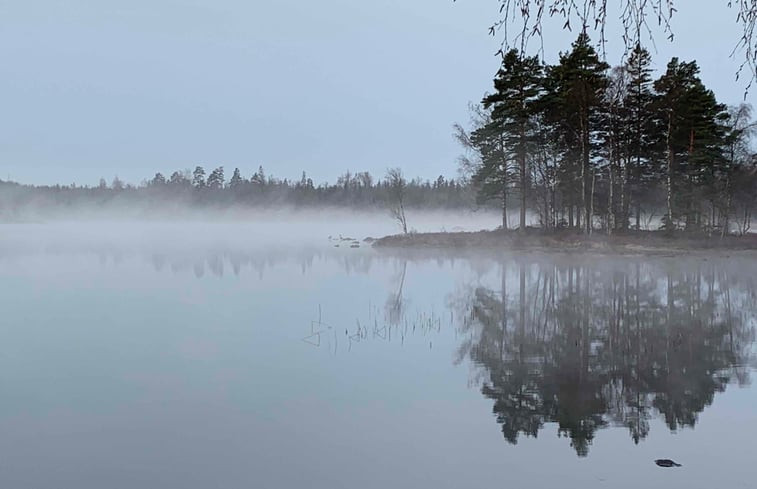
{"type": "Point", "coordinates": [513, 105]}
{"type": "Point", "coordinates": [216, 179]}
{"type": "Point", "coordinates": [706, 164]}
{"type": "Point", "coordinates": [693, 139]}
{"type": "Point", "coordinates": [117, 184]}
{"type": "Point", "coordinates": [258, 177]}
{"type": "Point", "coordinates": [178, 180]}
{"type": "Point", "coordinates": [236, 179]}
{"type": "Point", "coordinates": [615, 136]}
{"type": "Point", "coordinates": [158, 180]}
{"type": "Point", "coordinates": [579, 82]}
{"type": "Point", "coordinates": [639, 170]}
{"type": "Point", "coordinates": [198, 177]}
{"type": "Point", "coordinates": [493, 174]}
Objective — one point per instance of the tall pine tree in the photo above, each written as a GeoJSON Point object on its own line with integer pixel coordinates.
{"type": "Point", "coordinates": [581, 79]}
{"type": "Point", "coordinates": [513, 105]}
{"type": "Point", "coordinates": [692, 138]}
{"type": "Point", "coordinates": [639, 170]}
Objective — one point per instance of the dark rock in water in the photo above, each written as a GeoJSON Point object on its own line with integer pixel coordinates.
{"type": "Point", "coordinates": [369, 240]}
{"type": "Point", "coordinates": [354, 245]}
{"type": "Point", "coordinates": [666, 462]}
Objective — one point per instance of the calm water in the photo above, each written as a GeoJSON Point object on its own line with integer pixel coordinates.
{"type": "Point", "coordinates": [234, 362]}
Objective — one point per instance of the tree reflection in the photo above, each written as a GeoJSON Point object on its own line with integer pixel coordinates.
{"type": "Point", "coordinates": [586, 347]}
{"type": "Point", "coordinates": [395, 303]}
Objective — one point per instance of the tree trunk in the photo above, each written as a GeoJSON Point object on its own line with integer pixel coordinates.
{"type": "Point", "coordinates": [504, 209]}
{"type": "Point", "coordinates": [504, 184]}
{"type": "Point", "coordinates": [552, 202]}
{"type": "Point", "coordinates": [610, 206]}
{"type": "Point", "coordinates": [403, 219]}
{"type": "Point", "coordinates": [523, 196]}
{"type": "Point", "coordinates": [728, 203]}
{"type": "Point", "coordinates": [624, 195]}
{"type": "Point", "coordinates": [590, 216]}
{"type": "Point", "coordinates": [669, 182]}
{"type": "Point", "coordinates": [712, 217]}
{"type": "Point", "coordinates": [584, 168]}
{"type": "Point", "coordinates": [692, 214]}
{"type": "Point", "coordinates": [522, 164]}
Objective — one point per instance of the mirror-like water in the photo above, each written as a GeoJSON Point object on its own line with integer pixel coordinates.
{"type": "Point", "coordinates": [312, 366]}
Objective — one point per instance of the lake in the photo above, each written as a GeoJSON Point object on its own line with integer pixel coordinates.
{"type": "Point", "coordinates": [224, 355]}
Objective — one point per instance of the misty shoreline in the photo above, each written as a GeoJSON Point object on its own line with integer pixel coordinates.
{"type": "Point", "coordinates": [629, 243]}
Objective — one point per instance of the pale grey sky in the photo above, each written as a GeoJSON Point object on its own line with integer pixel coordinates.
{"type": "Point", "coordinates": [98, 88]}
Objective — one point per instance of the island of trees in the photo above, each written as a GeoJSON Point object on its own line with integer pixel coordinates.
{"type": "Point", "coordinates": [590, 147]}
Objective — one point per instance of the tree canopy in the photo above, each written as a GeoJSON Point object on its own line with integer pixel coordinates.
{"type": "Point", "coordinates": [589, 147]}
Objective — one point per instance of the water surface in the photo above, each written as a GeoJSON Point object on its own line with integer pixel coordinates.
{"type": "Point", "coordinates": [251, 363]}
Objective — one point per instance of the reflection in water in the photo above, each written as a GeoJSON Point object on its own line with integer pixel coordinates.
{"type": "Point", "coordinates": [586, 347]}
{"type": "Point", "coordinates": [395, 303]}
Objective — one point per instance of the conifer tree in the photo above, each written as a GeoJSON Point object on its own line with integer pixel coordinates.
{"type": "Point", "coordinates": [694, 134]}
{"type": "Point", "coordinates": [198, 177]}
{"type": "Point", "coordinates": [513, 105]}
{"type": "Point", "coordinates": [216, 179]}
{"type": "Point", "coordinates": [236, 179]}
{"type": "Point", "coordinates": [579, 82]}
{"type": "Point", "coordinates": [492, 176]}
{"type": "Point", "coordinates": [639, 170]}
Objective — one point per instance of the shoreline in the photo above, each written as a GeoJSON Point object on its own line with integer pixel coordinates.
{"type": "Point", "coordinates": [566, 241]}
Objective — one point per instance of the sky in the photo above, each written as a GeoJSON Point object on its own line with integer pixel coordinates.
{"type": "Point", "coordinates": [100, 88]}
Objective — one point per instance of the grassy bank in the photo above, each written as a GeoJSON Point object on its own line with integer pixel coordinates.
{"type": "Point", "coordinates": [568, 240]}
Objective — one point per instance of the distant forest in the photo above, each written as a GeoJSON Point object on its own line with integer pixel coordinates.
{"type": "Point", "coordinates": [200, 189]}
{"type": "Point", "coordinates": [591, 147]}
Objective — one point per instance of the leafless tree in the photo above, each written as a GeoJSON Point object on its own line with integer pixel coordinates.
{"type": "Point", "coordinates": [397, 183]}
{"type": "Point", "coordinates": [637, 18]}
{"type": "Point", "coordinates": [470, 160]}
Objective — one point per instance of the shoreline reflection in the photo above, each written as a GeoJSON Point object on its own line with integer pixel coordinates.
{"type": "Point", "coordinates": [589, 347]}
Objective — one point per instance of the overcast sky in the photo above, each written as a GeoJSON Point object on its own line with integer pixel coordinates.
{"type": "Point", "coordinates": [98, 88]}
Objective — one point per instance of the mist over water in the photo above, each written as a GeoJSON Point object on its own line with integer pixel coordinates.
{"type": "Point", "coordinates": [260, 354]}
{"type": "Point", "coordinates": [279, 227]}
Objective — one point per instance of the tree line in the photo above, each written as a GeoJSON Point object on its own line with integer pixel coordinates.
{"type": "Point", "coordinates": [589, 147]}
{"type": "Point", "coordinates": [201, 188]}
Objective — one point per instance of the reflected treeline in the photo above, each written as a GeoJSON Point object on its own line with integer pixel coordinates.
{"type": "Point", "coordinates": [587, 346]}
{"type": "Point", "coordinates": [582, 341]}
{"type": "Point", "coordinates": [220, 262]}
{"type": "Point", "coordinates": [214, 261]}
